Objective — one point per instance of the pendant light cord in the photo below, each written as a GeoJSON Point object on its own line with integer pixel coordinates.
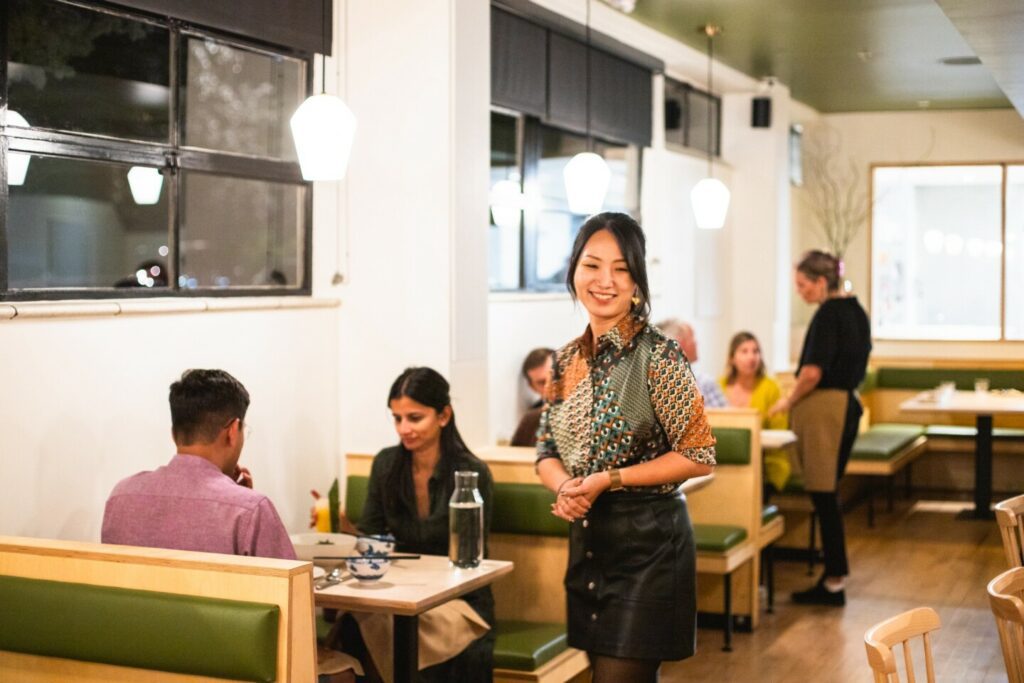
{"type": "Point", "coordinates": [323, 46]}
{"type": "Point", "coordinates": [590, 140]}
{"type": "Point", "coordinates": [711, 91]}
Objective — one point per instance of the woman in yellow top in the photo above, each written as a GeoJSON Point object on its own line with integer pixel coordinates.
{"type": "Point", "coordinates": [748, 386]}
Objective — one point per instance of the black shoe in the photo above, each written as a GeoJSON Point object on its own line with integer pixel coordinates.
{"type": "Point", "coordinates": [819, 595]}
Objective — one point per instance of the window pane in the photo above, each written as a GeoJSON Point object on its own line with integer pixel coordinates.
{"type": "Point", "coordinates": [549, 242]}
{"type": "Point", "coordinates": [936, 252]}
{"type": "Point", "coordinates": [77, 70]}
{"type": "Point", "coordinates": [505, 232]}
{"type": "Point", "coordinates": [237, 232]}
{"type": "Point", "coordinates": [240, 101]}
{"type": "Point", "coordinates": [698, 121]}
{"type": "Point", "coordinates": [1015, 252]}
{"type": "Point", "coordinates": [76, 223]}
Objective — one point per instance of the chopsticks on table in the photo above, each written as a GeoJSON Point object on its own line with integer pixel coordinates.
{"type": "Point", "coordinates": [367, 557]}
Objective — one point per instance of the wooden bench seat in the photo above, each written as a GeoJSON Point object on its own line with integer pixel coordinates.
{"type": "Point", "coordinates": [72, 611]}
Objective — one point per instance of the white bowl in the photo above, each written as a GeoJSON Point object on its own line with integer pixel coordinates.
{"type": "Point", "coordinates": [318, 544]}
{"type": "Point", "coordinates": [375, 545]}
{"type": "Point", "coordinates": [369, 568]}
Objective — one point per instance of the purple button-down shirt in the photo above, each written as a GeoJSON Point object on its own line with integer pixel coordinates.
{"type": "Point", "coordinates": [189, 504]}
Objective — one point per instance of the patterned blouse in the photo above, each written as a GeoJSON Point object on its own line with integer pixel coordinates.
{"type": "Point", "coordinates": [628, 399]}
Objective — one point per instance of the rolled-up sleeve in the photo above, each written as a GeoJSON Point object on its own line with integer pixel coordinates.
{"type": "Point", "coordinates": [678, 404]}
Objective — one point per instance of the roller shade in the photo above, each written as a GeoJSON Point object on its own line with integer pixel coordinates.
{"type": "Point", "coordinates": [295, 24]}
{"type": "Point", "coordinates": [518, 63]}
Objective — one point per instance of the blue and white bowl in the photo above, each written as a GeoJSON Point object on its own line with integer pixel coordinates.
{"type": "Point", "coordinates": [375, 545]}
{"type": "Point", "coordinates": [368, 568]}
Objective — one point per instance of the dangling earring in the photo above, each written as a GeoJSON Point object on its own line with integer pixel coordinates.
{"type": "Point", "coordinates": [636, 301]}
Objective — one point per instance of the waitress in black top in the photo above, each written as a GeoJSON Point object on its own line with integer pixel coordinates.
{"type": "Point", "coordinates": [825, 410]}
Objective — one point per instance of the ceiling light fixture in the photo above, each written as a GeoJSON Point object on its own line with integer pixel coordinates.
{"type": "Point", "coordinates": [17, 163]}
{"type": "Point", "coordinates": [710, 197]}
{"type": "Point", "coordinates": [145, 183]}
{"type": "Point", "coordinates": [323, 126]}
{"type": "Point", "coordinates": [587, 175]}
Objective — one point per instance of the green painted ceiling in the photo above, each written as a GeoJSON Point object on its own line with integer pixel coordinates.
{"type": "Point", "coordinates": [838, 55]}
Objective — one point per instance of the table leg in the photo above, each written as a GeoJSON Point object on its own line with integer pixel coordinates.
{"type": "Point", "coordinates": [407, 648]}
{"type": "Point", "coordinates": [982, 471]}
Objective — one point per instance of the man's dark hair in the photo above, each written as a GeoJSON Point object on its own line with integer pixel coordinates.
{"type": "Point", "coordinates": [535, 359]}
{"type": "Point", "coordinates": [203, 402]}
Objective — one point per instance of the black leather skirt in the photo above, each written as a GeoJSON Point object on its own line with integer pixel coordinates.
{"type": "Point", "coordinates": [631, 580]}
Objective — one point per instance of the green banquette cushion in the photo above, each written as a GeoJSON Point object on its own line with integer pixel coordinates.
{"type": "Point", "coordinates": [929, 378]}
{"type": "Point", "coordinates": [525, 509]}
{"type": "Point", "coordinates": [768, 513]}
{"type": "Point", "coordinates": [355, 496]}
{"type": "Point", "coordinates": [527, 646]}
{"type": "Point", "coordinates": [717, 538]}
{"type": "Point", "coordinates": [141, 629]}
{"type": "Point", "coordinates": [958, 432]}
{"type": "Point", "coordinates": [732, 445]}
{"type": "Point", "coordinates": [884, 441]}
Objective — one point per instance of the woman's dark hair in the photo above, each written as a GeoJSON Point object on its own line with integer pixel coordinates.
{"type": "Point", "coordinates": [630, 236]}
{"type": "Point", "coordinates": [427, 386]}
{"type": "Point", "coordinates": [815, 264]}
{"type": "Point", "coordinates": [738, 339]}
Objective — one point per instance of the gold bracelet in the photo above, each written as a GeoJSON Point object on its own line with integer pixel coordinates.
{"type": "Point", "coordinates": [616, 480]}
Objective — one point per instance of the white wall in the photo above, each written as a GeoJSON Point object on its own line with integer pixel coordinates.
{"type": "Point", "coordinates": [912, 137]}
{"type": "Point", "coordinates": [85, 405]}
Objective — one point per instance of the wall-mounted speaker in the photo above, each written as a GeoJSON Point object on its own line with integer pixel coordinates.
{"type": "Point", "coordinates": [673, 114]}
{"type": "Point", "coordinates": [761, 112]}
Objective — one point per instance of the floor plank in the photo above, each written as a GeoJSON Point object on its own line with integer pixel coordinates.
{"type": "Point", "coordinates": [912, 558]}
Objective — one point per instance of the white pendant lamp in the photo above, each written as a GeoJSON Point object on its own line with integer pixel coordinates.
{"type": "Point", "coordinates": [710, 197]}
{"type": "Point", "coordinates": [323, 128]}
{"type": "Point", "coordinates": [587, 175]}
{"type": "Point", "coordinates": [145, 183]}
{"type": "Point", "coordinates": [17, 163]}
{"type": "Point", "coordinates": [586, 182]}
{"type": "Point", "coordinates": [506, 203]}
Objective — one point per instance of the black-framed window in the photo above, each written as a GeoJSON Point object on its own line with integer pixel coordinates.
{"type": "Point", "coordinates": [159, 158]}
{"type": "Point", "coordinates": [686, 117]}
{"type": "Point", "coordinates": [529, 249]}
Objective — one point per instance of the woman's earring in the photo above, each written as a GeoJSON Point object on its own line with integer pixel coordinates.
{"type": "Point", "coordinates": [635, 300]}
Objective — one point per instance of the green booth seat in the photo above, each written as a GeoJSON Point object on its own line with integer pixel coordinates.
{"type": "Point", "coordinates": [356, 488]}
{"type": "Point", "coordinates": [717, 538]}
{"type": "Point", "coordinates": [526, 645]}
{"type": "Point", "coordinates": [149, 630]}
{"type": "Point", "coordinates": [885, 441]}
{"type": "Point", "coordinates": [958, 432]}
{"type": "Point", "coordinates": [732, 445]}
{"type": "Point", "coordinates": [929, 378]}
{"type": "Point", "coordinates": [768, 513]}
{"type": "Point", "coordinates": [525, 509]}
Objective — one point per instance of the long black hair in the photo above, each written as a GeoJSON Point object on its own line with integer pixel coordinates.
{"type": "Point", "coordinates": [630, 237]}
{"type": "Point", "coordinates": [427, 386]}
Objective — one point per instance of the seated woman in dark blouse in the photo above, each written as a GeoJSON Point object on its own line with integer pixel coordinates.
{"type": "Point", "coordinates": [409, 489]}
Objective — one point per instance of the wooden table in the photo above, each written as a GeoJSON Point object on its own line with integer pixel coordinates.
{"type": "Point", "coordinates": [410, 588]}
{"type": "Point", "coordinates": [983, 405]}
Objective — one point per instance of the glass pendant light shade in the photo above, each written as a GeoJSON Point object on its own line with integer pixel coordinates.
{"type": "Point", "coordinates": [17, 163]}
{"type": "Point", "coordinates": [710, 200]}
{"type": "Point", "coordinates": [586, 183]}
{"type": "Point", "coordinates": [506, 203]}
{"type": "Point", "coordinates": [323, 127]}
{"type": "Point", "coordinates": [145, 183]}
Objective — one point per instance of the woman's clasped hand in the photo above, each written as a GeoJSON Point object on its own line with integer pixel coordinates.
{"type": "Point", "coordinates": [577, 494]}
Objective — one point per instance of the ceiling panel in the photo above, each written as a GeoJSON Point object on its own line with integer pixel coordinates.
{"type": "Point", "coordinates": [839, 55]}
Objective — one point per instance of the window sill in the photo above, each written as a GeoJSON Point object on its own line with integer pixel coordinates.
{"type": "Point", "coordinates": [515, 297]}
{"type": "Point", "coordinates": [103, 309]}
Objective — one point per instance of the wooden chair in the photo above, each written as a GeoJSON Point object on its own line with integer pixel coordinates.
{"type": "Point", "coordinates": [1008, 517]}
{"type": "Point", "coordinates": [882, 638]}
{"type": "Point", "coordinates": [1004, 596]}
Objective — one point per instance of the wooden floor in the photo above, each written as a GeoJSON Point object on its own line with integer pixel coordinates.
{"type": "Point", "coordinates": [912, 558]}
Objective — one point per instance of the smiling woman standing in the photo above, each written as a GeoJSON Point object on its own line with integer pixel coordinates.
{"type": "Point", "coordinates": [623, 426]}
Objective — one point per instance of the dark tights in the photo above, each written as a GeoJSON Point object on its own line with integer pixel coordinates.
{"type": "Point", "coordinates": [621, 670]}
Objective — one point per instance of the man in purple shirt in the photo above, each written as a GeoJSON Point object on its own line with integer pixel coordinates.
{"type": "Point", "coordinates": [201, 500]}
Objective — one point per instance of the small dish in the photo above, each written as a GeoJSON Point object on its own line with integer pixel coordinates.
{"type": "Point", "coordinates": [368, 568]}
{"type": "Point", "coordinates": [375, 545]}
{"type": "Point", "coordinates": [322, 545]}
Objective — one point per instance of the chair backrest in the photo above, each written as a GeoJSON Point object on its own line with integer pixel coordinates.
{"type": "Point", "coordinates": [1008, 517]}
{"type": "Point", "coordinates": [1005, 593]}
{"type": "Point", "coordinates": [882, 638]}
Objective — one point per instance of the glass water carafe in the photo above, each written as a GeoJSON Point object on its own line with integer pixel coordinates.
{"type": "Point", "coordinates": [466, 522]}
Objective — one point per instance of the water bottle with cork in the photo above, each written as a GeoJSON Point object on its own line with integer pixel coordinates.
{"type": "Point", "coordinates": [466, 522]}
